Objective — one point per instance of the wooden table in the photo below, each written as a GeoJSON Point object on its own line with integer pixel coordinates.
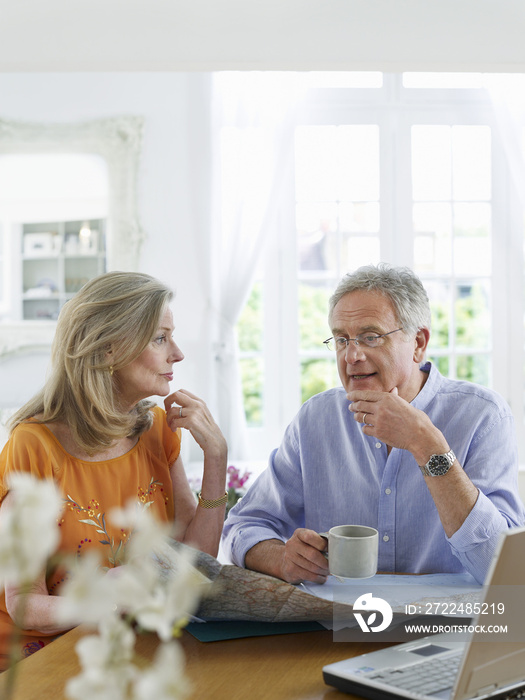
{"type": "Point", "coordinates": [277, 667]}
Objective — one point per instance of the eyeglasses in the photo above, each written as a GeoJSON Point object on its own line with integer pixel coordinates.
{"type": "Point", "coordinates": [370, 340]}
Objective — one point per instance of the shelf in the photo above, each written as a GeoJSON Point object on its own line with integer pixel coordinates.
{"type": "Point", "coordinates": [25, 257]}
{"type": "Point", "coordinates": [27, 296]}
{"type": "Point", "coordinates": [64, 259]}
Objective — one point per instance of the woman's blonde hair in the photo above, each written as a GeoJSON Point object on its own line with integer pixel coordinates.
{"type": "Point", "coordinates": [103, 328]}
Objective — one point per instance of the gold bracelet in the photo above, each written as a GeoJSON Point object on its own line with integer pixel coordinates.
{"type": "Point", "coordinates": [215, 503]}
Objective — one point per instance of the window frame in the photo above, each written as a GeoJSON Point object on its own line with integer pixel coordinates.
{"type": "Point", "coordinates": [394, 109]}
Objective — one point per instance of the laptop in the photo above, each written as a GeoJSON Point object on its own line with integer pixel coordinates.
{"type": "Point", "coordinates": [455, 667]}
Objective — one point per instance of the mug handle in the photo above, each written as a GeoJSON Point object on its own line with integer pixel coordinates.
{"type": "Point", "coordinates": [324, 535]}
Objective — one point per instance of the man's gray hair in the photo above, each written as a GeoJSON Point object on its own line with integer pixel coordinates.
{"type": "Point", "coordinates": [399, 284]}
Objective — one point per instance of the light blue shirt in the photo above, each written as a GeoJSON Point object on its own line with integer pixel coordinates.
{"type": "Point", "coordinates": [327, 472]}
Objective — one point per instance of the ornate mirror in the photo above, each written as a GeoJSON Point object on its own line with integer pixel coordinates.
{"type": "Point", "coordinates": [116, 143]}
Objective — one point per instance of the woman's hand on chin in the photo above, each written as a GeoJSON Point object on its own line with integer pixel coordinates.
{"type": "Point", "coordinates": [185, 410]}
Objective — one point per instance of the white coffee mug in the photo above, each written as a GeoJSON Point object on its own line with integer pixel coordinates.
{"type": "Point", "coordinates": [352, 550]}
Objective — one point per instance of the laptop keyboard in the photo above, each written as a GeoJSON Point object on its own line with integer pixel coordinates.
{"type": "Point", "coordinates": [426, 677]}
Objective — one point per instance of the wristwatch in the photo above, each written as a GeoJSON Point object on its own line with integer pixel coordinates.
{"type": "Point", "coordinates": [438, 465]}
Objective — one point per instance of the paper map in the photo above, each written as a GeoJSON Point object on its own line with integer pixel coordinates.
{"type": "Point", "coordinates": [235, 593]}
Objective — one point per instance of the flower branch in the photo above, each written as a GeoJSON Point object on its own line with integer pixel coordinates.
{"type": "Point", "coordinates": [156, 589]}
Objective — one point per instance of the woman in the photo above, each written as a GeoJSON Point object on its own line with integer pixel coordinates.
{"type": "Point", "coordinates": [92, 430]}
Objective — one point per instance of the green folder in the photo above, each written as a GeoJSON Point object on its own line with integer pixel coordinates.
{"type": "Point", "coordinates": [236, 629]}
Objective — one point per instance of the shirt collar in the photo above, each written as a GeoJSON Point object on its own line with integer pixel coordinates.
{"type": "Point", "coordinates": [430, 387]}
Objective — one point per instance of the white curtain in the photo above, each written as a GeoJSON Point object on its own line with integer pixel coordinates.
{"type": "Point", "coordinates": [507, 93]}
{"type": "Point", "coordinates": [253, 151]}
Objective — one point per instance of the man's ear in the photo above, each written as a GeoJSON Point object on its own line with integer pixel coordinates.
{"type": "Point", "coordinates": [422, 338]}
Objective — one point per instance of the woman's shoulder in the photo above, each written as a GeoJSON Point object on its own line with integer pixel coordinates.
{"type": "Point", "coordinates": [30, 448]}
{"type": "Point", "coordinates": [31, 429]}
{"type": "Point", "coordinates": [158, 423]}
{"type": "Point", "coordinates": [157, 412]}
{"type": "Point", "coordinates": [31, 443]}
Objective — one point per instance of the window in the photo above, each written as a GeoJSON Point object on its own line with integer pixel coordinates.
{"type": "Point", "coordinates": [452, 215]}
{"type": "Point", "coordinates": [337, 229]}
{"type": "Point", "coordinates": [400, 173]}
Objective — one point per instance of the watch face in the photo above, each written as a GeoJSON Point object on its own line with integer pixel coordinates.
{"type": "Point", "coordinates": [438, 465]}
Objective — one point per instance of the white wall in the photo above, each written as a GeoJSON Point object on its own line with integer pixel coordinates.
{"type": "Point", "coordinates": [173, 179]}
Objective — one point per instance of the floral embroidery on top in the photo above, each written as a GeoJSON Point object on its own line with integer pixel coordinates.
{"type": "Point", "coordinates": [98, 520]}
{"type": "Point", "coordinates": [31, 647]}
{"type": "Point", "coordinates": [143, 495]}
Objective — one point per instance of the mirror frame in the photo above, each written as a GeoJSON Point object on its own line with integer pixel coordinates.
{"type": "Point", "coordinates": [119, 141]}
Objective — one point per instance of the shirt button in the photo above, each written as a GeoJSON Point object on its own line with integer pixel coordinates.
{"type": "Point", "coordinates": [388, 491]}
{"type": "Point", "coordinates": [385, 538]}
{"type": "Point", "coordinates": [378, 445]}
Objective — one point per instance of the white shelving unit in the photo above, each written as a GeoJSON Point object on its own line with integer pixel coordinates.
{"type": "Point", "coordinates": [56, 260]}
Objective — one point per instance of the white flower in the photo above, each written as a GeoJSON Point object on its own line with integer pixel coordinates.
{"type": "Point", "coordinates": [134, 583]}
{"type": "Point", "coordinates": [29, 528]}
{"type": "Point", "coordinates": [89, 594]}
{"type": "Point", "coordinates": [160, 591]}
{"type": "Point", "coordinates": [165, 679]}
{"type": "Point", "coordinates": [147, 531]}
{"type": "Point", "coordinates": [158, 587]}
{"type": "Point", "coordinates": [97, 684]}
{"type": "Point", "coordinates": [174, 596]}
{"type": "Point", "coordinates": [113, 647]}
{"type": "Point", "coordinates": [106, 661]}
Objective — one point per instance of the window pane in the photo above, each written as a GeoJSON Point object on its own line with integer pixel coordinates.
{"type": "Point", "coordinates": [472, 244]}
{"type": "Point", "coordinates": [431, 163]}
{"type": "Point", "coordinates": [360, 250]}
{"type": "Point", "coordinates": [337, 163]}
{"type": "Point", "coordinates": [440, 308]}
{"type": "Point", "coordinates": [433, 235]}
{"type": "Point", "coordinates": [250, 338]}
{"type": "Point", "coordinates": [471, 171]}
{"type": "Point", "coordinates": [358, 158]}
{"type": "Point", "coordinates": [316, 163]}
{"type": "Point", "coordinates": [317, 376]}
{"type": "Point", "coordinates": [317, 243]}
{"type": "Point", "coordinates": [250, 325]}
{"type": "Point", "coordinates": [442, 363]}
{"type": "Point", "coordinates": [359, 216]}
{"type": "Point", "coordinates": [252, 376]}
{"type": "Point", "coordinates": [337, 190]}
{"type": "Point", "coordinates": [313, 315]}
{"type": "Point", "coordinates": [473, 316]}
{"type": "Point", "coordinates": [474, 368]}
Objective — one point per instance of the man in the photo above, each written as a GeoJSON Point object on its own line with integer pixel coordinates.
{"type": "Point", "coordinates": [430, 462]}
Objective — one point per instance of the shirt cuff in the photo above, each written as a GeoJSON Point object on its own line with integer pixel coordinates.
{"type": "Point", "coordinates": [244, 539]}
{"type": "Point", "coordinates": [475, 542]}
{"type": "Point", "coordinates": [481, 524]}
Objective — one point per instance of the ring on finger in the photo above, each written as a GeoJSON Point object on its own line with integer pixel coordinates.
{"type": "Point", "coordinates": [180, 411]}
{"type": "Point", "coordinates": [364, 417]}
